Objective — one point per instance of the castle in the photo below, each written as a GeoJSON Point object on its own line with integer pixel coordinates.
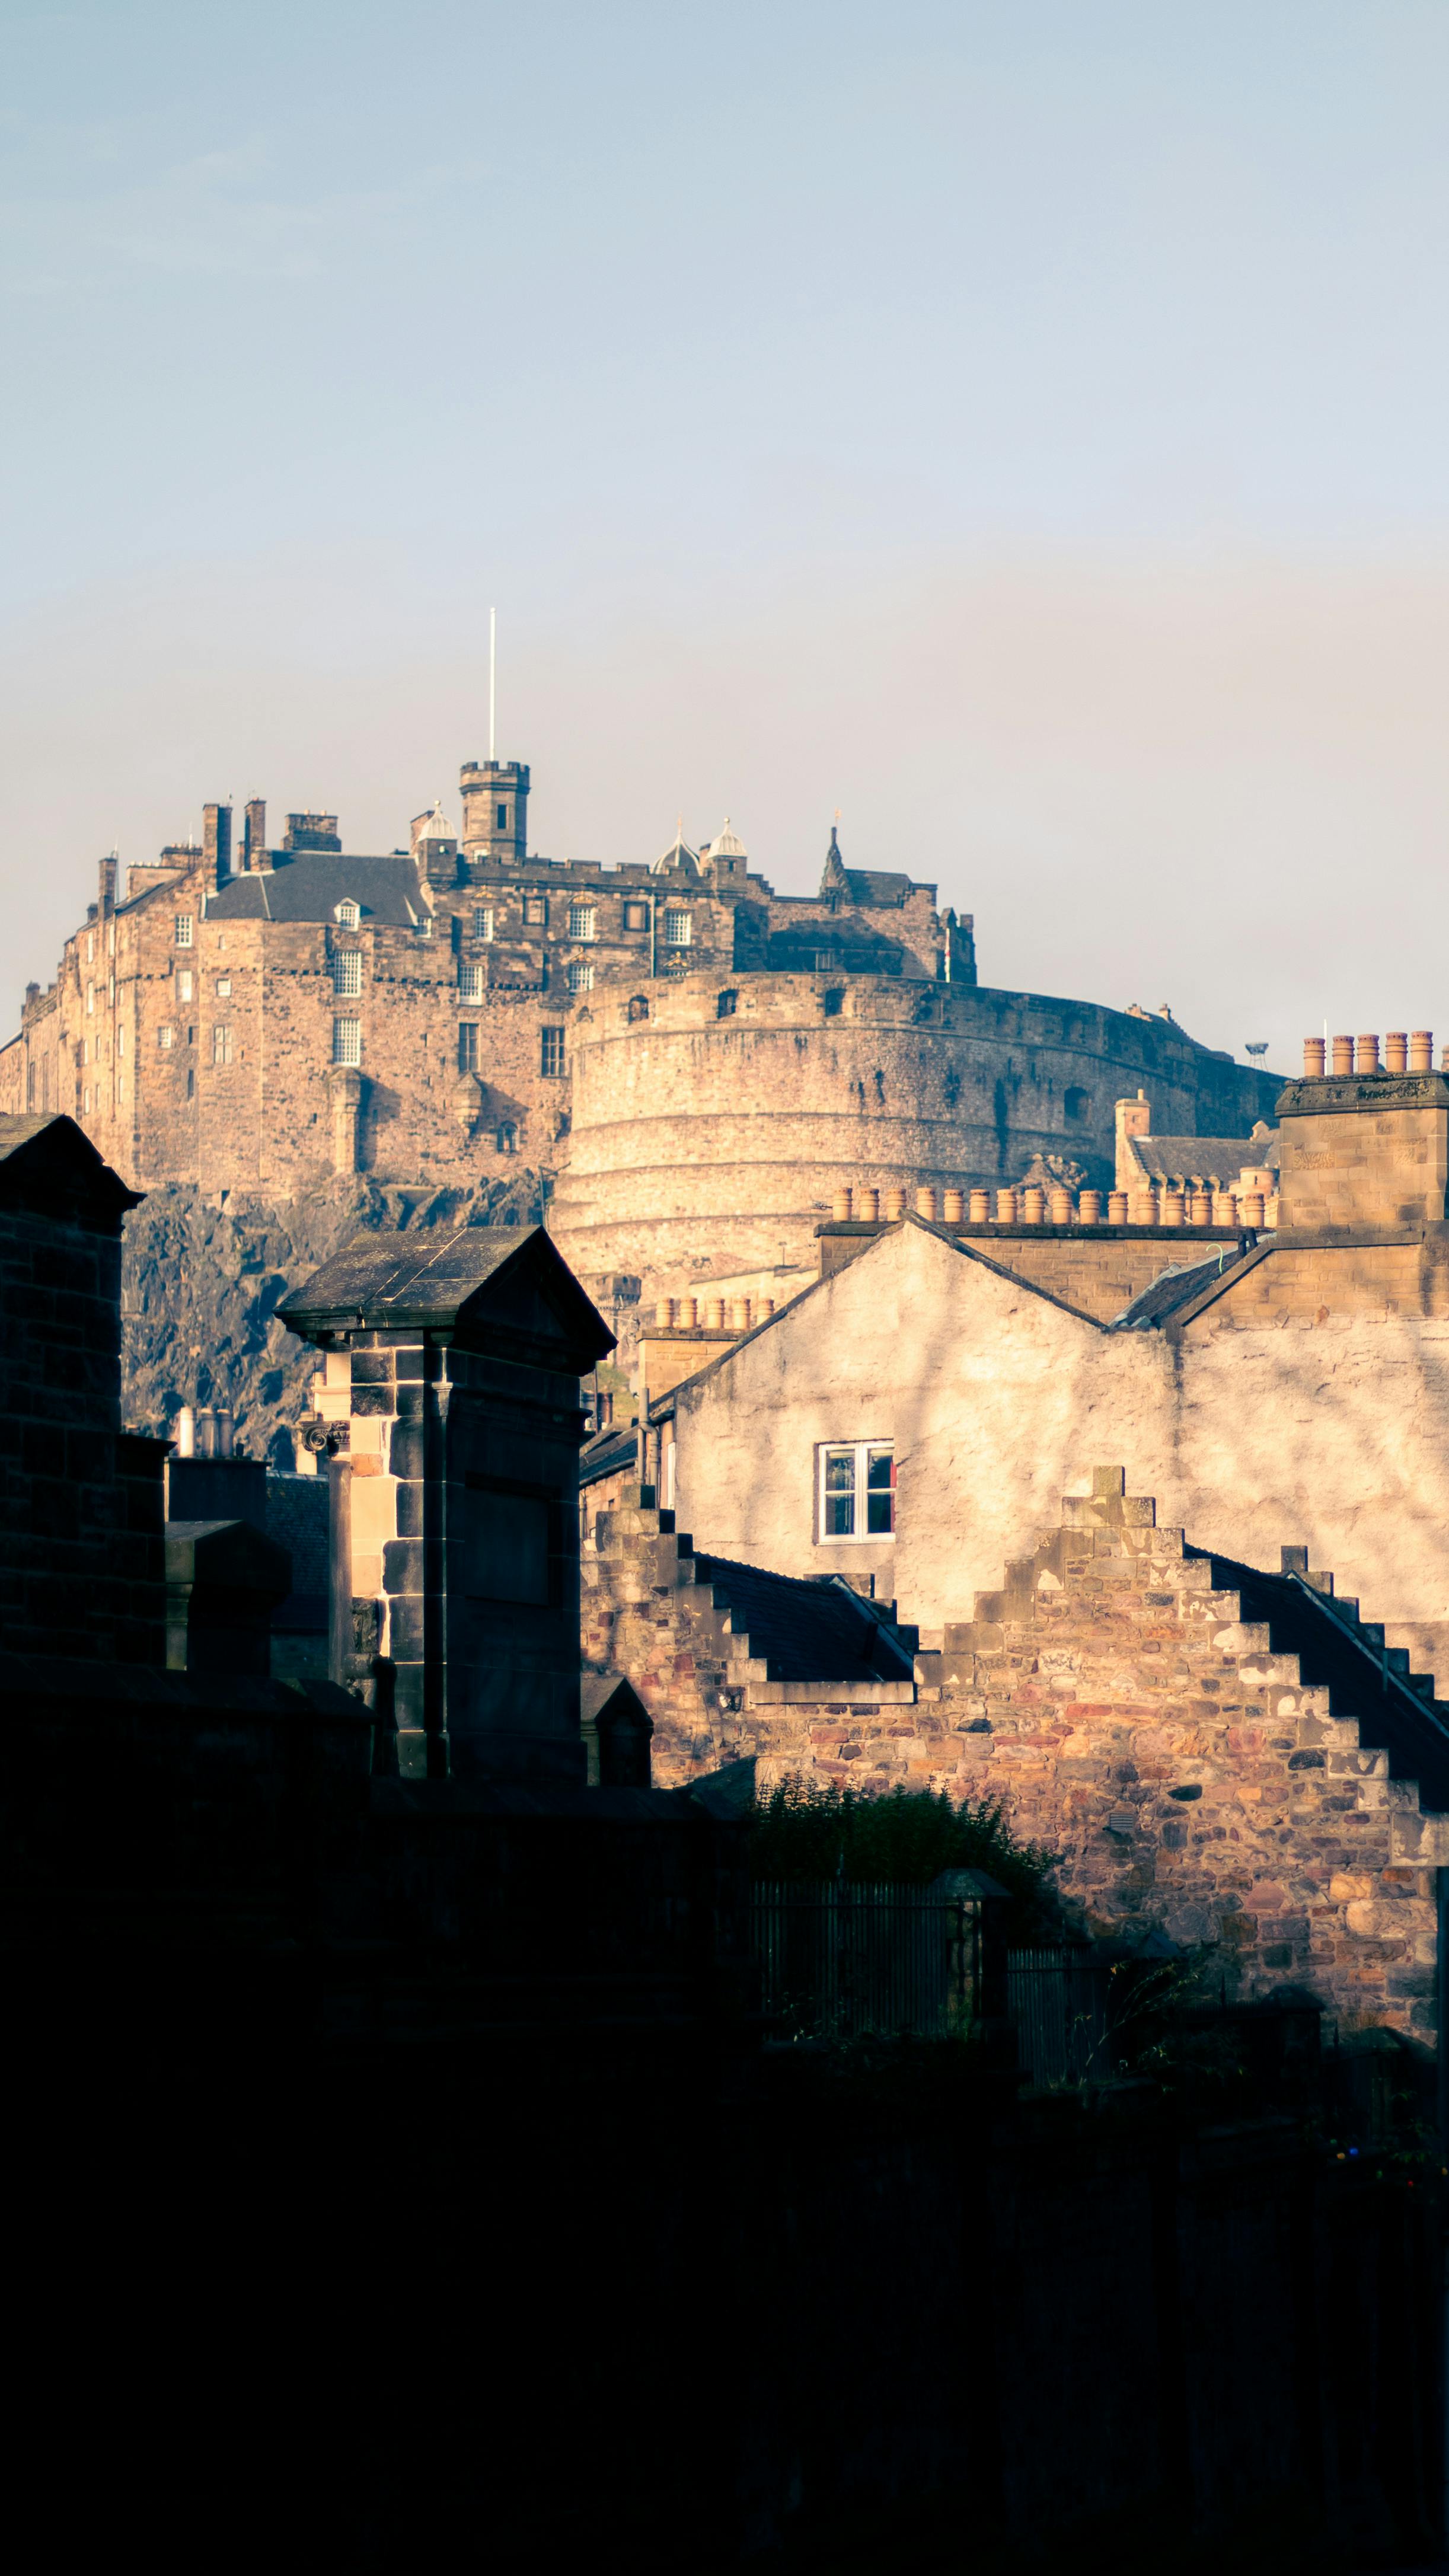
{"type": "Point", "coordinates": [691, 1063]}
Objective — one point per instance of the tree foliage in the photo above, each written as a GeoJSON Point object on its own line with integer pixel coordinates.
{"type": "Point", "coordinates": [811, 1829]}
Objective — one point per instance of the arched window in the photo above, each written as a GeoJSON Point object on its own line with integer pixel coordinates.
{"type": "Point", "coordinates": [348, 914]}
{"type": "Point", "coordinates": [639, 1006]}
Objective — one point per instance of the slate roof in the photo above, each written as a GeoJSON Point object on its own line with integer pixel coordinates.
{"type": "Point", "coordinates": [1336, 1648]}
{"type": "Point", "coordinates": [877, 886]}
{"type": "Point", "coordinates": [1212, 1160]}
{"type": "Point", "coordinates": [806, 1630]}
{"type": "Point", "coordinates": [310, 886]}
{"type": "Point", "coordinates": [608, 1451]}
{"type": "Point", "coordinates": [385, 1282]}
{"type": "Point", "coordinates": [1174, 1288]}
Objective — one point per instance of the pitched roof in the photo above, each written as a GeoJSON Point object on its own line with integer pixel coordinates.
{"type": "Point", "coordinates": [806, 1628]}
{"type": "Point", "coordinates": [310, 886]}
{"type": "Point", "coordinates": [1208, 1159]}
{"type": "Point", "coordinates": [502, 1279]}
{"type": "Point", "coordinates": [49, 1163]}
{"type": "Point", "coordinates": [1174, 1288]}
{"type": "Point", "coordinates": [1396, 1714]}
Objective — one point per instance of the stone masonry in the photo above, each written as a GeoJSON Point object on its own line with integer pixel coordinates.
{"type": "Point", "coordinates": [1127, 1717]}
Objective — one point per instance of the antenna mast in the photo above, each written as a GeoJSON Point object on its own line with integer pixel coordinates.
{"type": "Point", "coordinates": [492, 683]}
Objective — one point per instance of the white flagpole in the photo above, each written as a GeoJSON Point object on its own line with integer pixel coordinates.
{"type": "Point", "coordinates": [492, 683]}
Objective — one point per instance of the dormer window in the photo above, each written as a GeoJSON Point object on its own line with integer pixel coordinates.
{"type": "Point", "coordinates": [347, 914]}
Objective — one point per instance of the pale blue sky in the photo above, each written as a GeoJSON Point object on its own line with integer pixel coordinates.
{"type": "Point", "coordinates": [1022, 426]}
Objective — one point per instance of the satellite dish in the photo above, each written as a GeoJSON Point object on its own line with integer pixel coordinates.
{"type": "Point", "coordinates": [1257, 1046]}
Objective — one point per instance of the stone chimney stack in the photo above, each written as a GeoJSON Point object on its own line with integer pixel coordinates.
{"type": "Point", "coordinates": [108, 884]}
{"type": "Point", "coordinates": [1134, 1118]}
{"type": "Point", "coordinates": [254, 833]}
{"type": "Point", "coordinates": [1365, 1148]}
{"type": "Point", "coordinates": [216, 845]}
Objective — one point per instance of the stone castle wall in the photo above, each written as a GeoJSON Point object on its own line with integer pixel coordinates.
{"type": "Point", "coordinates": [699, 1060]}
{"type": "Point", "coordinates": [712, 1134]}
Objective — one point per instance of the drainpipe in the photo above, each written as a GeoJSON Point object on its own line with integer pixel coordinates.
{"type": "Point", "coordinates": [653, 942]}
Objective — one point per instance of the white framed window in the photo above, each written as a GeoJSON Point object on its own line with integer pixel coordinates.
{"type": "Point", "coordinates": [223, 986]}
{"type": "Point", "coordinates": [185, 929]}
{"type": "Point", "coordinates": [678, 929]}
{"type": "Point", "coordinates": [121, 1039]}
{"type": "Point", "coordinates": [111, 992]}
{"type": "Point", "coordinates": [347, 970]}
{"type": "Point", "coordinates": [110, 939]}
{"type": "Point", "coordinates": [85, 1104]}
{"type": "Point", "coordinates": [220, 1045]}
{"type": "Point", "coordinates": [424, 925]}
{"type": "Point", "coordinates": [347, 1041]}
{"type": "Point", "coordinates": [183, 985]}
{"type": "Point", "coordinates": [90, 1001]}
{"type": "Point", "coordinates": [467, 1046]}
{"type": "Point", "coordinates": [581, 975]}
{"type": "Point", "coordinates": [347, 913]}
{"type": "Point", "coordinates": [552, 1055]}
{"type": "Point", "coordinates": [583, 921]}
{"type": "Point", "coordinates": [166, 1035]}
{"type": "Point", "coordinates": [470, 982]}
{"type": "Point", "coordinates": [483, 921]}
{"type": "Point", "coordinates": [856, 1489]}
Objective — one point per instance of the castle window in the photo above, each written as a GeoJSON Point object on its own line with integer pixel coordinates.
{"type": "Point", "coordinates": [552, 1058]}
{"type": "Point", "coordinates": [636, 916]}
{"type": "Point", "coordinates": [470, 983]}
{"type": "Point", "coordinates": [535, 909]}
{"type": "Point", "coordinates": [424, 925]}
{"type": "Point", "coordinates": [347, 970]}
{"type": "Point", "coordinates": [183, 985]}
{"type": "Point", "coordinates": [581, 975]}
{"type": "Point", "coordinates": [90, 1001]}
{"type": "Point", "coordinates": [639, 1006]}
{"type": "Point", "coordinates": [834, 1003]}
{"type": "Point", "coordinates": [502, 818]}
{"type": "Point", "coordinates": [857, 1490]}
{"type": "Point", "coordinates": [508, 1140]}
{"type": "Point", "coordinates": [220, 1045]}
{"type": "Point", "coordinates": [347, 913]}
{"type": "Point", "coordinates": [1078, 1105]}
{"type": "Point", "coordinates": [347, 1041]}
{"type": "Point", "coordinates": [678, 929]}
{"type": "Point", "coordinates": [166, 1037]}
{"type": "Point", "coordinates": [726, 1005]}
{"type": "Point", "coordinates": [185, 929]}
{"type": "Point", "coordinates": [223, 986]}
{"type": "Point", "coordinates": [582, 921]}
{"type": "Point", "coordinates": [483, 921]}
{"type": "Point", "coordinates": [121, 1039]}
{"type": "Point", "coordinates": [467, 1046]}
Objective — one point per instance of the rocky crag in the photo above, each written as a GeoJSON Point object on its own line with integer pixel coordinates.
{"type": "Point", "coordinates": [204, 1273]}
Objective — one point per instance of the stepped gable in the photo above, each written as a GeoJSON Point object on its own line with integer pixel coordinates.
{"type": "Point", "coordinates": [1227, 1757]}
{"type": "Point", "coordinates": [732, 1663]}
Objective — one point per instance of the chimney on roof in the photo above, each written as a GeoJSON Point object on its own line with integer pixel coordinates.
{"type": "Point", "coordinates": [215, 846]}
{"type": "Point", "coordinates": [108, 883]}
{"type": "Point", "coordinates": [1134, 1118]}
{"type": "Point", "coordinates": [254, 834]}
{"type": "Point", "coordinates": [311, 832]}
{"type": "Point", "coordinates": [1364, 1146]}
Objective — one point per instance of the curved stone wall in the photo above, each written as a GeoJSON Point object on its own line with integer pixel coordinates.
{"type": "Point", "coordinates": [707, 1142]}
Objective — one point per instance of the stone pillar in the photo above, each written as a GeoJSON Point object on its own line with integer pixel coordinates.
{"type": "Point", "coordinates": [344, 1087]}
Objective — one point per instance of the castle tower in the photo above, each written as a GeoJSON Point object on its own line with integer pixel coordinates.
{"type": "Point", "coordinates": [495, 809]}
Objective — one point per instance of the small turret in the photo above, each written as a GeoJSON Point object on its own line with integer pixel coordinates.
{"type": "Point", "coordinates": [495, 809]}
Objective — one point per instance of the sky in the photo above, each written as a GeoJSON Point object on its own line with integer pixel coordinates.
{"type": "Point", "coordinates": [1018, 425]}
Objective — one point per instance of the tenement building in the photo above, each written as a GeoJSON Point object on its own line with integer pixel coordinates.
{"type": "Point", "coordinates": [696, 1060]}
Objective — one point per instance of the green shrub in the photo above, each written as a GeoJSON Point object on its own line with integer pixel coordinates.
{"type": "Point", "coordinates": [816, 1829]}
